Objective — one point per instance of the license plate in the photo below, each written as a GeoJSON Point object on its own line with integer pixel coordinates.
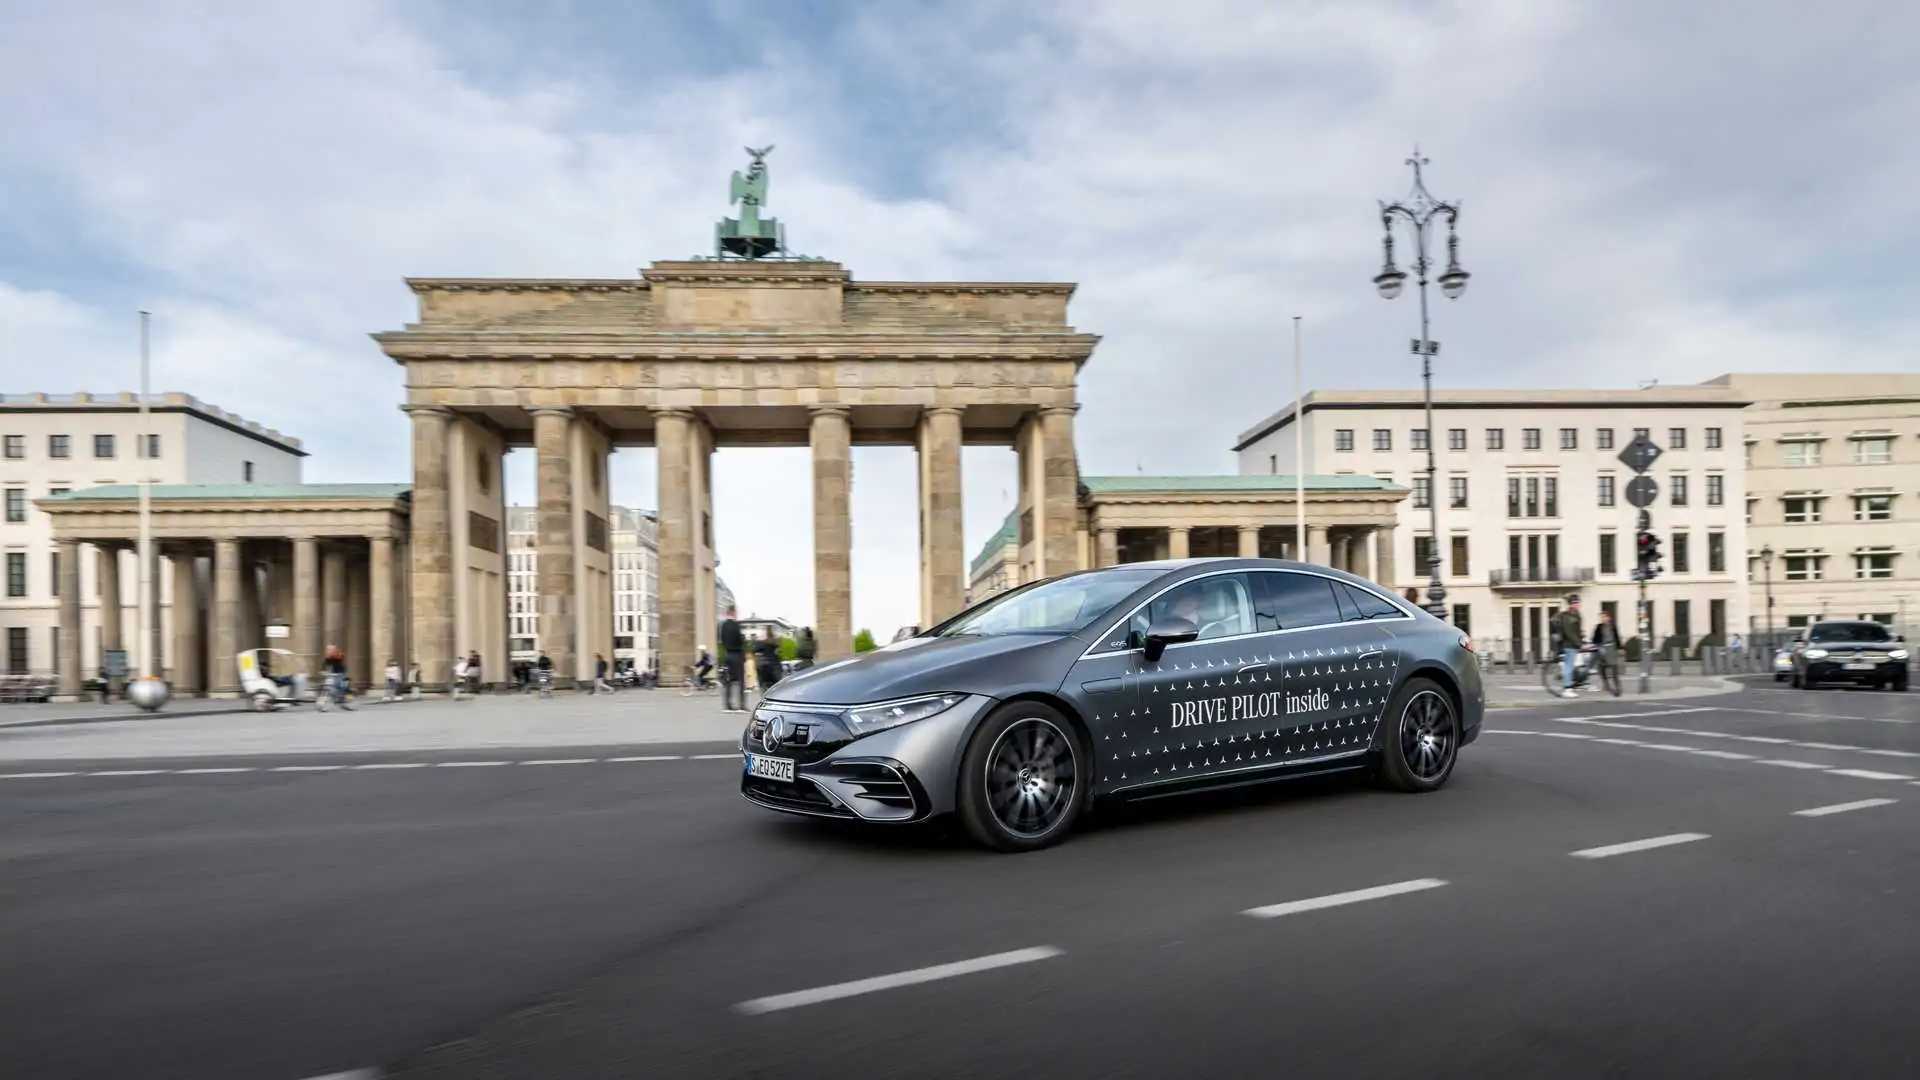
{"type": "Point", "coordinates": [1860, 665]}
{"type": "Point", "coordinates": [770, 768]}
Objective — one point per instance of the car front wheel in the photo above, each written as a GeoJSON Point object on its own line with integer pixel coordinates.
{"type": "Point", "coordinates": [1023, 779]}
{"type": "Point", "coordinates": [1423, 740]}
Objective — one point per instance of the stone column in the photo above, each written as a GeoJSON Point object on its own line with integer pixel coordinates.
{"type": "Point", "coordinates": [832, 439]}
{"type": "Point", "coordinates": [359, 634]}
{"type": "Point", "coordinates": [68, 553]}
{"type": "Point", "coordinates": [1177, 542]}
{"type": "Point", "coordinates": [1060, 500]}
{"type": "Point", "coordinates": [1383, 571]}
{"type": "Point", "coordinates": [252, 614]}
{"type": "Point", "coordinates": [306, 604]}
{"type": "Point", "coordinates": [432, 547]}
{"type": "Point", "coordinates": [333, 592]}
{"type": "Point", "coordinates": [106, 570]}
{"type": "Point", "coordinates": [671, 431]}
{"type": "Point", "coordinates": [1317, 545]}
{"type": "Point", "coordinates": [188, 653]}
{"type": "Point", "coordinates": [380, 645]}
{"type": "Point", "coordinates": [1249, 541]}
{"type": "Point", "coordinates": [553, 540]}
{"type": "Point", "coordinates": [940, 513]}
{"type": "Point", "coordinates": [1107, 547]}
{"type": "Point", "coordinates": [1361, 562]}
{"type": "Point", "coordinates": [223, 620]}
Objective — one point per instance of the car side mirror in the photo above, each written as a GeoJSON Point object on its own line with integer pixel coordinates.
{"type": "Point", "coordinates": [1169, 630]}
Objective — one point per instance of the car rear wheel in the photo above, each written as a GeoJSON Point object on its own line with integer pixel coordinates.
{"type": "Point", "coordinates": [1023, 778]}
{"type": "Point", "coordinates": [1424, 740]}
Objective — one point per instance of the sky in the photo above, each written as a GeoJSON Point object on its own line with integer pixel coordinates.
{"type": "Point", "coordinates": [1648, 190]}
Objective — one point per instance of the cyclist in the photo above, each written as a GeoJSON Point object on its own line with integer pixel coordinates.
{"type": "Point", "coordinates": [1566, 627]}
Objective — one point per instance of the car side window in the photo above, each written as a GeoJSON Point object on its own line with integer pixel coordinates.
{"type": "Point", "coordinates": [1297, 600]}
{"type": "Point", "coordinates": [1218, 606]}
{"type": "Point", "coordinates": [1365, 604]}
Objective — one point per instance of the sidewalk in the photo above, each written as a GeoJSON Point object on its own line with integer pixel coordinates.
{"type": "Point", "coordinates": [29, 714]}
{"type": "Point", "coordinates": [1525, 691]}
{"type": "Point", "coordinates": [630, 717]}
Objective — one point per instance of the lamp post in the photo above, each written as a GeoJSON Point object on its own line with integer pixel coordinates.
{"type": "Point", "coordinates": [1418, 211]}
{"type": "Point", "coordinates": [1766, 563]}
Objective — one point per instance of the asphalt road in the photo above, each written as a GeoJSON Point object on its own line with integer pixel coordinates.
{"type": "Point", "coordinates": [571, 914]}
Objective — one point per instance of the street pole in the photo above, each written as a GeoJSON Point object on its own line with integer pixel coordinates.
{"type": "Point", "coordinates": [1646, 619]}
{"type": "Point", "coordinates": [148, 635]}
{"type": "Point", "coordinates": [1299, 454]}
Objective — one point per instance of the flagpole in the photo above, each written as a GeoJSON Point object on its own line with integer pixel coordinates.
{"type": "Point", "coordinates": [1299, 456]}
{"type": "Point", "coordinates": [146, 515]}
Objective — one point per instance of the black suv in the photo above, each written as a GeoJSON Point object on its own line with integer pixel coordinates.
{"type": "Point", "coordinates": [1849, 651]}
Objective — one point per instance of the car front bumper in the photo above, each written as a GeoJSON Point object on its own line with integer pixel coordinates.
{"type": "Point", "coordinates": [900, 775]}
{"type": "Point", "coordinates": [1853, 671]}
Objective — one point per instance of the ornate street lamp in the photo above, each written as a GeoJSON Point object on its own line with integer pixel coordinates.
{"type": "Point", "coordinates": [1418, 211]}
{"type": "Point", "coordinates": [1766, 561]}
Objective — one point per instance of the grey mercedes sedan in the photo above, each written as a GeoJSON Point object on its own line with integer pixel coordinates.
{"type": "Point", "coordinates": [1130, 682]}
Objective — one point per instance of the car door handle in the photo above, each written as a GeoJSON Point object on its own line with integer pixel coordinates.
{"type": "Point", "coordinates": [1101, 686]}
{"type": "Point", "coordinates": [1374, 652]}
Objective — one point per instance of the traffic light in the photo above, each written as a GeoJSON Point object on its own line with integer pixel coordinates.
{"type": "Point", "coordinates": [1647, 547]}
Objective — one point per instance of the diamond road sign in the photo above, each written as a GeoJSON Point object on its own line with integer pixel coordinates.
{"type": "Point", "coordinates": [1639, 454]}
{"type": "Point", "coordinates": [1641, 491]}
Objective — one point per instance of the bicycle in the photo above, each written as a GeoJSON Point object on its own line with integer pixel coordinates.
{"type": "Point", "coordinates": [697, 682]}
{"type": "Point", "coordinates": [1591, 659]}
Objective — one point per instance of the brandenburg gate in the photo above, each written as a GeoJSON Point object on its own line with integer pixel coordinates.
{"type": "Point", "coordinates": [752, 350]}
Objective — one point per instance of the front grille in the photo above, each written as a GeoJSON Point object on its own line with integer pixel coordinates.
{"type": "Point", "coordinates": [800, 796]}
{"type": "Point", "coordinates": [810, 737]}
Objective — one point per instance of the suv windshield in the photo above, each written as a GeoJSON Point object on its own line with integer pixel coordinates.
{"type": "Point", "coordinates": [1053, 607]}
{"type": "Point", "coordinates": [1849, 631]}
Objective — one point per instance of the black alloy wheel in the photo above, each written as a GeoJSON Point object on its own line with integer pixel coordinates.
{"type": "Point", "coordinates": [1424, 740]}
{"type": "Point", "coordinates": [1022, 778]}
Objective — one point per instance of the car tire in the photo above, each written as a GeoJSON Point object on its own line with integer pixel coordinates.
{"type": "Point", "coordinates": [1779, 678]}
{"type": "Point", "coordinates": [262, 701]}
{"type": "Point", "coordinates": [1024, 778]}
{"type": "Point", "coordinates": [1422, 738]}
{"type": "Point", "coordinates": [1898, 684]}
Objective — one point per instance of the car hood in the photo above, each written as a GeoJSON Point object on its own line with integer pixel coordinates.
{"type": "Point", "coordinates": [926, 665]}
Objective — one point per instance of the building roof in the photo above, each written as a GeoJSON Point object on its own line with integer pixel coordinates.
{"type": "Point", "coordinates": [169, 402]}
{"type": "Point", "coordinates": [183, 492]}
{"type": "Point", "coordinates": [1652, 397]}
{"type": "Point", "coordinates": [1008, 532]}
{"type": "Point", "coordinates": [1098, 485]}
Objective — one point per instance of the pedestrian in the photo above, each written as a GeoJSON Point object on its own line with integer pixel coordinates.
{"type": "Point", "coordinates": [600, 683]}
{"type": "Point", "coordinates": [544, 666]}
{"type": "Point", "coordinates": [473, 671]}
{"type": "Point", "coordinates": [393, 680]}
{"type": "Point", "coordinates": [459, 676]}
{"type": "Point", "coordinates": [413, 678]}
{"type": "Point", "coordinates": [733, 657]}
{"type": "Point", "coordinates": [1566, 627]}
{"type": "Point", "coordinates": [804, 648]}
{"type": "Point", "coordinates": [1738, 646]}
{"type": "Point", "coordinates": [766, 663]}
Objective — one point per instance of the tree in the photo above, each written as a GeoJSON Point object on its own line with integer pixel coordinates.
{"type": "Point", "coordinates": [788, 648]}
{"type": "Point", "coordinates": [863, 641]}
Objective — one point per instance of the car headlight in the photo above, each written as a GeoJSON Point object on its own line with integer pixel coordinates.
{"type": "Point", "coordinates": [1897, 654]}
{"type": "Point", "coordinates": [1815, 654]}
{"type": "Point", "coordinates": [881, 715]}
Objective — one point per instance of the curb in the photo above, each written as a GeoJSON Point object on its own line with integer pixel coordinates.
{"type": "Point", "coordinates": [7, 725]}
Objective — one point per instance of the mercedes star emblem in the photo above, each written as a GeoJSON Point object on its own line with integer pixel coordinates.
{"type": "Point", "coordinates": [771, 735]}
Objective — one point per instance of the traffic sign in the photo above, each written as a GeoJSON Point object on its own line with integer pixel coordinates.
{"type": "Point", "coordinates": [1639, 454]}
{"type": "Point", "coordinates": [1641, 491]}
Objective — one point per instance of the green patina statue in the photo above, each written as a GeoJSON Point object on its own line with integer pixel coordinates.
{"type": "Point", "coordinates": [750, 236]}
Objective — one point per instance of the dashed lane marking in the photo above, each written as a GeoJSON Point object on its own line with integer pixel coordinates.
{"type": "Point", "coordinates": [1727, 755]}
{"type": "Point", "coordinates": [1869, 774]}
{"type": "Point", "coordinates": [34, 775]}
{"type": "Point", "coordinates": [300, 768]}
{"type": "Point", "coordinates": [129, 772]}
{"type": "Point", "coordinates": [561, 761]}
{"type": "Point", "coordinates": [1841, 808]}
{"type": "Point", "coordinates": [1789, 764]}
{"type": "Point", "coordinates": [712, 757]}
{"type": "Point", "coordinates": [1766, 740]}
{"type": "Point", "coordinates": [646, 757]}
{"type": "Point", "coordinates": [1357, 896]}
{"type": "Point", "coordinates": [837, 991]}
{"type": "Point", "coordinates": [1631, 846]}
{"type": "Point", "coordinates": [392, 765]}
{"type": "Point", "coordinates": [468, 764]}
{"type": "Point", "coordinates": [213, 770]}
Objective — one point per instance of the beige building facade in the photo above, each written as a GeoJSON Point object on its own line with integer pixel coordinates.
{"type": "Point", "coordinates": [699, 354]}
{"type": "Point", "coordinates": [1832, 466]}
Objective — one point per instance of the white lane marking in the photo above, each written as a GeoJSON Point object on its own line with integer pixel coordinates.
{"type": "Point", "coordinates": [34, 775]}
{"type": "Point", "coordinates": [1869, 774]}
{"type": "Point", "coordinates": [1764, 739]}
{"type": "Point", "coordinates": [391, 765]}
{"type": "Point", "coordinates": [560, 761]}
{"type": "Point", "coordinates": [712, 757]}
{"type": "Point", "coordinates": [798, 998]}
{"type": "Point", "coordinates": [306, 768]}
{"type": "Point", "coordinates": [647, 757]}
{"type": "Point", "coordinates": [1786, 764]}
{"type": "Point", "coordinates": [1727, 754]}
{"type": "Point", "coordinates": [468, 764]}
{"type": "Point", "coordinates": [1666, 746]}
{"type": "Point", "coordinates": [350, 1074]}
{"type": "Point", "coordinates": [1565, 735]}
{"type": "Point", "coordinates": [1315, 903]}
{"type": "Point", "coordinates": [1631, 846]}
{"type": "Point", "coordinates": [128, 772]}
{"type": "Point", "coordinates": [1841, 808]}
{"type": "Point", "coordinates": [1818, 716]}
{"type": "Point", "coordinates": [212, 771]}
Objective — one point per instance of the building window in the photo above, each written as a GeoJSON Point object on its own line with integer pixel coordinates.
{"type": "Point", "coordinates": [1463, 618]}
{"type": "Point", "coordinates": [1606, 490]}
{"type": "Point", "coordinates": [1513, 496]}
{"type": "Point", "coordinates": [16, 573]}
{"type": "Point", "coordinates": [1877, 450]}
{"type": "Point", "coordinates": [1716, 489]}
{"type": "Point", "coordinates": [246, 471]}
{"type": "Point", "coordinates": [1713, 438]}
{"type": "Point", "coordinates": [1800, 453]}
{"type": "Point", "coordinates": [1530, 438]}
{"type": "Point", "coordinates": [1801, 509]}
{"type": "Point", "coordinates": [149, 446]}
{"type": "Point", "coordinates": [103, 446]}
{"type": "Point", "coordinates": [1422, 492]}
{"type": "Point", "coordinates": [1569, 438]}
{"type": "Point", "coordinates": [1716, 553]}
{"type": "Point", "coordinates": [1552, 485]}
{"type": "Point", "coordinates": [1641, 433]}
{"type": "Point", "coordinates": [1417, 438]}
{"type": "Point", "coordinates": [1677, 489]}
{"type": "Point", "coordinates": [1873, 564]}
{"type": "Point", "coordinates": [16, 446]}
{"type": "Point", "coordinates": [1461, 567]}
{"type": "Point", "coordinates": [1457, 492]}
{"type": "Point", "coordinates": [59, 446]}
{"type": "Point", "coordinates": [16, 505]}
{"type": "Point", "coordinates": [1533, 496]}
{"type": "Point", "coordinates": [1457, 438]}
{"type": "Point", "coordinates": [16, 650]}
{"type": "Point", "coordinates": [1873, 508]}
{"type": "Point", "coordinates": [1683, 623]}
{"type": "Point", "coordinates": [1751, 499]}
{"type": "Point", "coordinates": [1496, 438]}
{"type": "Point", "coordinates": [53, 571]}
{"type": "Point", "coordinates": [1676, 438]}
{"type": "Point", "coordinates": [1677, 551]}
{"type": "Point", "coordinates": [1382, 438]}
{"type": "Point", "coordinates": [1609, 555]}
{"type": "Point", "coordinates": [1343, 439]}
{"type": "Point", "coordinates": [1603, 438]}
{"type": "Point", "coordinates": [1422, 553]}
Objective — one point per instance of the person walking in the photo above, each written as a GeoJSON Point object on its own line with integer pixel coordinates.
{"type": "Point", "coordinates": [393, 680]}
{"type": "Point", "coordinates": [543, 668]}
{"type": "Point", "coordinates": [1566, 627]}
{"type": "Point", "coordinates": [733, 656]}
{"type": "Point", "coordinates": [473, 672]}
{"type": "Point", "coordinates": [766, 664]}
{"type": "Point", "coordinates": [459, 676]}
{"type": "Point", "coordinates": [600, 683]}
{"type": "Point", "coordinates": [804, 648]}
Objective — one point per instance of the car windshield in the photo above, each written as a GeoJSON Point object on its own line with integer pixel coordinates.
{"type": "Point", "coordinates": [1054, 607]}
{"type": "Point", "coordinates": [1846, 631]}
